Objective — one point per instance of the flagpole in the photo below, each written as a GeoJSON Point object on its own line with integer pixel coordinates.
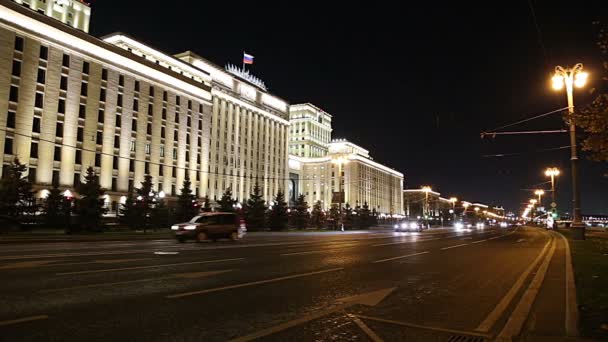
{"type": "Point", "coordinates": [243, 61]}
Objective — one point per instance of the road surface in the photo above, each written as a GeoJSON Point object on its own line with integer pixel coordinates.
{"type": "Point", "coordinates": [439, 285]}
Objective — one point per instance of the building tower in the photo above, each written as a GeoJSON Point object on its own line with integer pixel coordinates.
{"type": "Point", "coordinates": [74, 13]}
{"type": "Point", "coordinates": [310, 131]}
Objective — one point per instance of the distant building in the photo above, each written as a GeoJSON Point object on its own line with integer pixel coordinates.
{"type": "Point", "coordinates": [74, 13]}
{"type": "Point", "coordinates": [310, 131]}
{"type": "Point", "coordinates": [322, 169]}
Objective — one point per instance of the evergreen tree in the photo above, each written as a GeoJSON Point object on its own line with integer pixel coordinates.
{"type": "Point", "coordinates": [255, 210]}
{"type": "Point", "coordinates": [127, 212]}
{"type": "Point", "coordinates": [365, 218]}
{"type": "Point", "coordinates": [278, 217]}
{"type": "Point", "coordinates": [226, 202]}
{"type": "Point", "coordinates": [348, 218]}
{"type": "Point", "coordinates": [145, 202]}
{"type": "Point", "coordinates": [317, 215]}
{"type": "Point", "coordinates": [334, 215]}
{"type": "Point", "coordinates": [187, 207]}
{"type": "Point", "coordinates": [206, 204]}
{"type": "Point", "coordinates": [161, 214]}
{"type": "Point", "coordinates": [90, 207]}
{"type": "Point", "coordinates": [16, 195]}
{"type": "Point", "coordinates": [300, 213]}
{"type": "Point", "coordinates": [53, 207]}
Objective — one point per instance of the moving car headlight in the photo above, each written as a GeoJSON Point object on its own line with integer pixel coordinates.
{"type": "Point", "coordinates": [396, 226]}
{"type": "Point", "coordinates": [404, 225]}
{"type": "Point", "coordinates": [175, 227]}
{"type": "Point", "coordinates": [480, 225]}
{"type": "Point", "coordinates": [459, 225]}
{"type": "Point", "coordinates": [190, 227]}
{"type": "Point", "coordinates": [503, 224]}
{"type": "Point", "coordinates": [414, 225]}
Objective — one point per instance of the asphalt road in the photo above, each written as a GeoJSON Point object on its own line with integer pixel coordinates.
{"type": "Point", "coordinates": [344, 286]}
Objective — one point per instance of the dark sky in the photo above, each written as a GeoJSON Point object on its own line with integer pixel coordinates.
{"type": "Point", "coordinates": [413, 84]}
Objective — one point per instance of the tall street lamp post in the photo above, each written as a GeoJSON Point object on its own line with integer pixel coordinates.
{"type": "Point", "coordinates": [340, 161]}
{"type": "Point", "coordinates": [552, 172]}
{"type": "Point", "coordinates": [426, 190]}
{"type": "Point", "coordinates": [573, 77]}
{"type": "Point", "coordinates": [453, 200]}
{"type": "Point", "coordinates": [540, 194]}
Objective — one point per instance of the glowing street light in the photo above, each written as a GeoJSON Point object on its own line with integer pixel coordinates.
{"type": "Point", "coordinates": [426, 189]}
{"type": "Point", "coordinates": [453, 200]}
{"type": "Point", "coordinates": [539, 193]}
{"type": "Point", "coordinates": [340, 161]}
{"type": "Point", "coordinates": [552, 172]}
{"type": "Point", "coordinates": [533, 201]}
{"type": "Point", "coordinates": [572, 77]}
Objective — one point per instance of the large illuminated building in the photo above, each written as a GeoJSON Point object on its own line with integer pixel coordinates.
{"type": "Point", "coordinates": [322, 169]}
{"type": "Point", "coordinates": [69, 101]}
{"type": "Point", "coordinates": [74, 13]}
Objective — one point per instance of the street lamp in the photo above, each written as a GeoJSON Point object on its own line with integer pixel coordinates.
{"type": "Point", "coordinates": [539, 193]}
{"type": "Point", "coordinates": [573, 77]}
{"type": "Point", "coordinates": [453, 200]}
{"type": "Point", "coordinates": [552, 172]}
{"type": "Point", "coordinates": [340, 161]}
{"type": "Point", "coordinates": [426, 190]}
{"type": "Point", "coordinates": [533, 201]}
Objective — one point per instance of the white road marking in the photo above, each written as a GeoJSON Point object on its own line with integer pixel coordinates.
{"type": "Point", "coordinates": [259, 282]}
{"type": "Point", "coordinates": [479, 241]}
{"type": "Point", "coordinates": [150, 266]}
{"type": "Point", "coordinates": [424, 327]}
{"type": "Point", "coordinates": [446, 248]}
{"type": "Point", "coordinates": [571, 305]}
{"type": "Point", "coordinates": [500, 308]}
{"type": "Point", "coordinates": [23, 320]}
{"type": "Point", "coordinates": [400, 257]}
{"type": "Point", "coordinates": [402, 242]}
{"type": "Point", "coordinates": [521, 312]}
{"type": "Point", "coordinates": [369, 332]}
{"type": "Point", "coordinates": [192, 275]}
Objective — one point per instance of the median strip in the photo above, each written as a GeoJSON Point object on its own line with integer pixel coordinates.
{"type": "Point", "coordinates": [259, 282]}
{"type": "Point", "coordinates": [400, 257]}
{"type": "Point", "coordinates": [150, 266]}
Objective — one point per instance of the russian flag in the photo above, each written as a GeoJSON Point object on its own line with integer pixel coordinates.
{"type": "Point", "coordinates": [247, 59]}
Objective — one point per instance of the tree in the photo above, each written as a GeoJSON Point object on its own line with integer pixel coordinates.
{"type": "Point", "coordinates": [348, 218]}
{"type": "Point", "coordinates": [255, 209]}
{"type": "Point", "coordinates": [187, 207]}
{"type": "Point", "coordinates": [127, 212]}
{"type": "Point", "coordinates": [206, 204]}
{"type": "Point", "coordinates": [145, 202]}
{"type": "Point", "coordinates": [365, 218]}
{"type": "Point", "coordinates": [16, 195]}
{"type": "Point", "coordinates": [226, 202]}
{"type": "Point", "coordinates": [334, 215]}
{"type": "Point", "coordinates": [90, 207]}
{"type": "Point", "coordinates": [53, 207]}
{"type": "Point", "coordinates": [277, 217]}
{"type": "Point", "coordinates": [317, 216]}
{"type": "Point", "coordinates": [593, 118]}
{"type": "Point", "coordinates": [300, 213]}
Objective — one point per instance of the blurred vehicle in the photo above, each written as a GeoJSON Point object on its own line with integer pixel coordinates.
{"type": "Point", "coordinates": [211, 226]}
{"type": "Point", "coordinates": [410, 226]}
{"type": "Point", "coordinates": [504, 225]}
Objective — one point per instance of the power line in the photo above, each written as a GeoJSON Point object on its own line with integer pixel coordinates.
{"type": "Point", "coordinates": [526, 120]}
{"type": "Point", "coordinates": [500, 155]}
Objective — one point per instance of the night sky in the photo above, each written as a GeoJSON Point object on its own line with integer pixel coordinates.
{"type": "Point", "coordinates": [414, 85]}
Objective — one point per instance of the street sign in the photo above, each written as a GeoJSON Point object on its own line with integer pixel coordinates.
{"type": "Point", "coordinates": [553, 205]}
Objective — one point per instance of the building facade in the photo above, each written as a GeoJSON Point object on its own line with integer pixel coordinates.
{"type": "Point", "coordinates": [69, 101]}
{"type": "Point", "coordinates": [310, 131]}
{"type": "Point", "coordinates": [74, 13]}
{"type": "Point", "coordinates": [322, 169]}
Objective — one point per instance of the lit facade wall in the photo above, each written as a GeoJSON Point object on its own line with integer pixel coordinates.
{"type": "Point", "coordinates": [310, 131]}
{"type": "Point", "coordinates": [362, 180]}
{"type": "Point", "coordinates": [68, 101]}
{"type": "Point", "coordinates": [74, 13]}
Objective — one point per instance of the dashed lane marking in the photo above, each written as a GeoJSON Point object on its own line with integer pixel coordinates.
{"type": "Point", "coordinates": [259, 282]}
{"type": "Point", "coordinates": [23, 320]}
{"type": "Point", "coordinates": [149, 266]}
{"type": "Point", "coordinates": [461, 245]}
{"type": "Point", "coordinates": [400, 257]}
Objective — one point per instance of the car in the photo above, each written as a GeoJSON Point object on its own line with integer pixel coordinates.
{"type": "Point", "coordinates": [409, 226]}
{"type": "Point", "coordinates": [211, 226]}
